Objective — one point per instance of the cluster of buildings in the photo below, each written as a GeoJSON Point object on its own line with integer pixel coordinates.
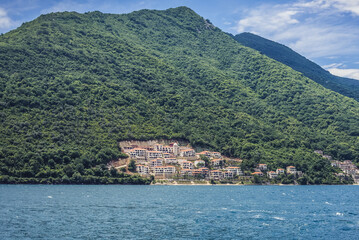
{"type": "Point", "coordinates": [348, 167]}
{"type": "Point", "coordinates": [172, 160]}
{"type": "Point", "coordinates": [274, 174]}
{"type": "Point", "coordinates": [147, 153]}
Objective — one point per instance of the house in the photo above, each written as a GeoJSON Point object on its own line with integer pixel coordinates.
{"type": "Point", "coordinates": [187, 153]}
{"type": "Point", "coordinates": [262, 167]}
{"type": "Point", "coordinates": [138, 152]}
{"type": "Point", "coordinates": [272, 174]}
{"type": "Point", "coordinates": [205, 153]}
{"type": "Point", "coordinates": [291, 170]}
{"type": "Point", "coordinates": [172, 148]}
{"type": "Point", "coordinates": [187, 165]}
{"type": "Point", "coordinates": [186, 172]}
{"type": "Point", "coordinates": [155, 163]}
{"type": "Point", "coordinates": [169, 170]}
{"type": "Point", "coordinates": [257, 174]}
{"type": "Point", "coordinates": [171, 161]}
{"type": "Point", "coordinates": [158, 147]}
{"type": "Point", "coordinates": [142, 169]}
{"type": "Point", "coordinates": [154, 154]}
{"type": "Point", "coordinates": [280, 171]}
{"type": "Point", "coordinates": [166, 155]}
{"type": "Point", "coordinates": [216, 155]}
{"type": "Point", "coordinates": [216, 174]}
{"type": "Point", "coordinates": [228, 174]}
{"type": "Point", "coordinates": [217, 162]}
{"type": "Point", "coordinates": [205, 171]}
{"type": "Point", "coordinates": [234, 170]}
{"type": "Point", "coordinates": [158, 170]}
{"type": "Point", "coordinates": [200, 162]}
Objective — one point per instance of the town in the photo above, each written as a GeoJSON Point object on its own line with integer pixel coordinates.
{"type": "Point", "coordinates": [174, 161]}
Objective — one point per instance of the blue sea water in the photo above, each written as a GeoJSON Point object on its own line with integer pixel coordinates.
{"type": "Point", "coordinates": [178, 212]}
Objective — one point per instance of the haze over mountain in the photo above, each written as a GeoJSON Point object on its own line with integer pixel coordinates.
{"type": "Point", "coordinates": [73, 85]}
{"type": "Point", "coordinates": [285, 55]}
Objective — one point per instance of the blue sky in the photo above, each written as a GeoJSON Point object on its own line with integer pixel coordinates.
{"type": "Point", "coordinates": [325, 31]}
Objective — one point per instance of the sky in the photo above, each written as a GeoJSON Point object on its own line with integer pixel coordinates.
{"type": "Point", "coordinates": [324, 31]}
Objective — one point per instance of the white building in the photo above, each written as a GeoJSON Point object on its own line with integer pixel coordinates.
{"type": "Point", "coordinates": [272, 174]}
{"type": "Point", "coordinates": [216, 174]}
{"type": "Point", "coordinates": [171, 161]}
{"type": "Point", "coordinates": [187, 165]}
{"type": "Point", "coordinates": [154, 154]}
{"type": "Point", "coordinates": [235, 170]}
{"type": "Point", "coordinates": [142, 169]}
{"type": "Point", "coordinates": [187, 153]}
{"type": "Point", "coordinates": [156, 163]}
{"type": "Point", "coordinates": [291, 170]}
{"type": "Point", "coordinates": [262, 167]}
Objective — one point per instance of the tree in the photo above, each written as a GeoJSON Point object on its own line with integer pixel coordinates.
{"type": "Point", "coordinates": [132, 166]}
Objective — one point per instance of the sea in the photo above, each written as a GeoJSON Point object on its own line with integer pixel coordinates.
{"type": "Point", "coordinates": [178, 212]}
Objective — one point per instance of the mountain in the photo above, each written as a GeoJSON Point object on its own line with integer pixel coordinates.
{"type": "Point", "coordinates": [73, 85]}
{"type": "Point", "coordinates": [347, 87]}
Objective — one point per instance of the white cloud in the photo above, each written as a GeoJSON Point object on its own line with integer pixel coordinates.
{"type": "Point", "coordinates": [5, 20]}
{"type": "Point", "coordinates": [346, 5]}
{"type": "Point", "coordinates": [333, 65]}
{"type": "Point", "coordinates": [313, 28]}
{"type": "Point", "coordinates": [267, 21]}
{"type": "Point", "coordinates": [349, 73]}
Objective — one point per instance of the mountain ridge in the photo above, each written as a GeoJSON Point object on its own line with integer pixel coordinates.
{"type": "Point", "coordinates": [73, 85]}
{"type": "Point", "coordinates": [346, 86]}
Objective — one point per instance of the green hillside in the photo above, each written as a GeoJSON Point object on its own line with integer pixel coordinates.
{"type": "Point", "coordinates": [285, 55]}
{"type": "Point", "coordinates": [73, 85]}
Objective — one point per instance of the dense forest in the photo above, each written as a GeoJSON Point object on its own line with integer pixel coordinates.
{"type": "Point", "coordinates": [346, 86]}
{"type": "Point", "coordinates": [73, 85]}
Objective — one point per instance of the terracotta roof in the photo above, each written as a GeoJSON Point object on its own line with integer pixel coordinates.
{"type": "Point", "coordinates": [187, 150]}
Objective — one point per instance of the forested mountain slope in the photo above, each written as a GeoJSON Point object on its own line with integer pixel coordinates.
{"type": "Point", "coordinates": [73, 85]}
{"type": "Point", "coordinates": [285, 55]}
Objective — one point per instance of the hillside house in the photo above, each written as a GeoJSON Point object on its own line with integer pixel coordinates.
{"type": "Point", "coordinates": [156, 163]}
{"type": "Point", "coordinates": [171, 161]}
{"type": "Point", "coordinates": [262, 167]}
{"type": "Point", "coordinates": [216, 154]}
{"type": "Point", "coordinates": [186, 172]}
{"type": "Point", "coordinates": [205, 171]}
{"type": "Point", "coordinates": [217, 162]}
{"type": "Point", "coordinates": [280, 171]}
{"type": "Point", "coordinates": [216, 174]}
{"type": "Point", "coordinates": [205, 153]}
{"type": "Point", "coordinates": [154, 154]}
{"type": "Point", "coordinates": [142, 169]}
{"type": "Point", "coordinates": [187, 153]}
{"type": "Point", "coordinates": [228, 174]}
{"type": "Point", "coordinates": [272, 174]}
{"type": "Point", "coordinates": [187, 165]}
{"type": "Point", "coordinates": [234, 170]}
{"type": "Point", "coordinates": [257, 174]}
{"type": "Point", "coordinates": [164, 170]}
{"type": "Point", "coordinates": [291, 170]}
